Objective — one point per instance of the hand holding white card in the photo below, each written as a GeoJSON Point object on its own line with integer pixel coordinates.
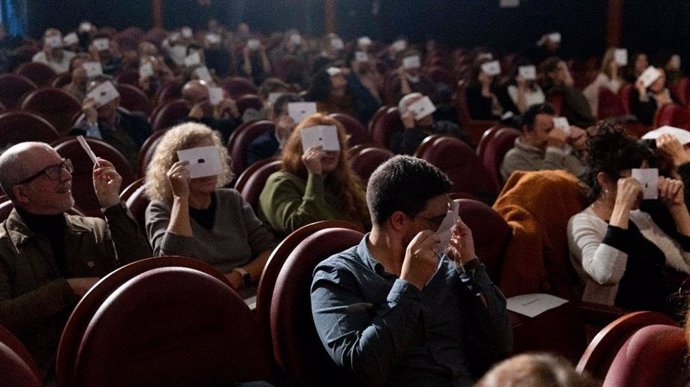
{"type": "Point", "coordinates": [650, 75]}
{"type": "Point", "coordinates": [93, 68]}
{"type": "Point", "coordinates": [146, 70]}
{"type": "Point", "coordinates": [422, 108]}
{"type": "Point", "coordinates": [681, 134]}
{"type": "Point", "coordinates": [528, 73]}
{"type": "Point", "coordinates": [621, 56]}
{"type": "Point", "coordinates": [253, 44]}
{"type": "Point", "coordinates": [88, 150]}
{"type": "Point", "coordinates": [300, 110]}
{"type": "Point", "coordinates": [101, 44]}
{"type": "Point", "coordinates": [192, 59]}
{"type": "Point", "coordinates": [203, 161]}
{"type": "Point", "coordinates": [649, 180]}
{"type": "Point", "coordinates": [325, 136]}
{"type": "Point", "coordinates": [491, 68]}
{"type": "Point", "coordinates": [215, 95]}
{"type": "Point", "coordinates": [103, 93]}
{"type": "Point", "coordinates": [411, 62]}
{"type": "Point", "coordinates": [562, 124]}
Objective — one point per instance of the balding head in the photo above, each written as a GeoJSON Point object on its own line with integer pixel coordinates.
{"type": "Point", "coordinates": [16, 163]}
{"type": "Point", "coordinates": [194, 92]}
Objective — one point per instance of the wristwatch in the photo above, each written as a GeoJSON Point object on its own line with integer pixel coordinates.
{"type": "Point", "coordinates": [246, 277]}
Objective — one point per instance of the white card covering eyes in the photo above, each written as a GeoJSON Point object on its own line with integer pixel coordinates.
{"type": "Point", "coordinates": [103, 93]}
{"type": "Point", "coordinates": [71, 39]}
{"type": "Point", "coordinates": [650, 75]}
{"type": "Point", "coordinates": [146, 70]}
{"type": "Point", "coordinates": [411, 62]}
{"type": "Point", "coordinates": [492, 68]}
{"type": "Point", "coordinates": [422, 108]}
{"type": "Point", "coordinates": [203, 161]}
{"type": "Point", "coordinates": [192, 59]}
{"type": "Point", "coordinates": [325, 136]}
{"type": "Point", "coordinates": [215, 95]}
{"type": "Point", "coordinates": [93, 69]}
{"type": "Point", "coordinates": [649, 180]}
{"type": "Point", "coordinates": [620, 55]}
{"type": "Point", "coordinates": [101, 44]}
{"type": "Point", "coordinates": [301, 110]}
{"type": "Point", "coordinates": [528, 73]}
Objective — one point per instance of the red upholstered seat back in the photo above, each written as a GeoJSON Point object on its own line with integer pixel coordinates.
{"type": "Point", "coordinates": [133, 99]}
{"type": "Point", "coordinates": [20, 126]}
{"type": "Point", "coordinates": [169, 114]}
{"type": "Point", "coordinates": [672, 115]}
{"type": "Point", "coordinates": [383, 125]}
{"type": "Point", "coordinates": [610, 104]}
{"type": "Point", "coordinates": [365, 162]}
{"type": "Point", "coordinates": [494, 150]}
{"type": "Point", "coordinates": [17, 367]}
{"type": "Point", "coordinates": [358, 133]}
{"type": "Point", "coordinates": [248, 101]}
{"type": "Point", "coordinates": [254, 183]}
{"type": "Point", "coordinates": [237, 87]}
{"type": "Point", "coordinates": [239, 141]}
{"type": "Point", "coordinates": [39, 73]}
{"type": "Point", "coordinates": [55, 105]}
{"type": "Point", "coordinates": [12, 88]}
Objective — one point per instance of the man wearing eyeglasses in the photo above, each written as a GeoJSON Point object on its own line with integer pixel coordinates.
{"type": "Point", "coordinates": [391, 310]}
{"type": "Point", "coordinates": [48, 258]}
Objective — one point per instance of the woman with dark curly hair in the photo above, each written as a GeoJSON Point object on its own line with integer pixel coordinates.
{"type": "Point", "coordinates": [618, 250]}
{"type": "Point", "coordinates": [314, 184]}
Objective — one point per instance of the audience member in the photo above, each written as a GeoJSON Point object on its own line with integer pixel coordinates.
{"type": "Point", "coordinates": [535, 370]}
{"type": "Point", "coordinates": [402, 307]}
{"type": "Point", "coordinates": [410, 78]}
{"type": "Point", "coordinates": [268, 92]}
{"type": "Point", "coordinates": [636, 67]}
{"type": "Point", "coordinates": [270, 144]}
{"type": "Point", "coordinates": [222, 117]}
{"type": "Point", "coordinates": [313, 185]}
{"type": "Point", "coordinates": [105, 50]}
{"type": "Point", "coordinates": [522, 93]}
{"type": "Point", "coordinates": [480, 95]}
{"type": "Point", "coordinates": [79, 79]}
{"type": "Point", "coordinates": [339, 90]}
{"type": "Point", "coordinates": [610, 77]}
{"type": "Point", "coordinates": [198, 218]}
{"type": "Point", "coordinates": [126, 131]}
{"type": "Point", "coordinates": [48, 258]}
{"type": "Point", "coordinates": [645, 101]}
{"type": "Point", "coordinates": [547, 46]}
{"type": "Point", "coordinates": [52, 53]}
{"type": "Point", "coordinates": [557, 80]}
{"type": "Point", "coordinates": [416, 129]}
{"type": "Point", "coordinates": [618, 250]}
{"type": "Point", "coordinates": [543, 146]}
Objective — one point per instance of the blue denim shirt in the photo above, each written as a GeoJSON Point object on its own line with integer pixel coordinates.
{"type": "Point", "coordinates": [387, 332]}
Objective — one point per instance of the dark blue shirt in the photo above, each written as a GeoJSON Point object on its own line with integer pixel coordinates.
{"type": "Point", "coordinates": [387, 332]}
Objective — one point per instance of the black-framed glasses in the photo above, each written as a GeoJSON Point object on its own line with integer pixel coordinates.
{"type": "Point", "coordinates": [54, 172]}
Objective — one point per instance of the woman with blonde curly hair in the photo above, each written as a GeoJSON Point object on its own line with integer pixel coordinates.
{"type": "Point", "coordinates": [197, 217]}
{"type": "Point", "coordinates": [313, 185]}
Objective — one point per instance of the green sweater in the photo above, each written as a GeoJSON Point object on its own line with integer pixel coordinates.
{"type": "Point", "coordinates": [288, 202]}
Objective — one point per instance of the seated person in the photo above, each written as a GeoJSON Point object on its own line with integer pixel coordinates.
{"type": "Point", "coordinates": [79, 80]}
{"type": "Point", "coordinates": [535, 370]}
{"type": "Point", "coordinates": [254, 64]}
{"type": "Point", "coordinates": [270, 144]}
{"type": "Point", "coordinates": [646, 101]}
{"type": "Point", "coordinates": [126, 131]}
{"type": "Point", "coordinates": [610, 77]}
{"type": "Point", "coordinates": [109, 55]}
{"type": "Point", "coordinates": [342, 92]}
{"type": "Point", "coordinates": [409, 80]}
{"type": "Point", "coordinates": [543, 146]}
{"type": "Point", "coordinates": [520, 93]}
{"type": "Point", "coordinates": [416, 130]}
{"type": "Point", "coordinates": [223, 117]}
{"type": "Point", "coordinates": [557, 80]}
{"type": "Point", "coordinates": [50, 259]}
{"type": "Point", "coordinates": [636, 67]}
{"type": "Point", "coordinates": [618, 250]}
{"type": "Point", "coordinates": [270, 86]}
{"type": "Point", "coordinates": [313, 185]}
{"type": "Point", "coordinates": [394, 312]}
{"type": "Point", "coordinates": [197, 217]}
{"type": "Point", "coordinates": [53, 53]}
{"type": "Point", "coordinates": [480, 94]}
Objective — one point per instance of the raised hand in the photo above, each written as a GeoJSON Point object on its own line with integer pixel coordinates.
{"type": "Point", "coordinates": [420, 259]}
{"type": "Point", "coordinates": [178, 177]}
{"type": "Point", "coordinates": [312, 159]}
{"type": "Point", "coordinates": [106, 183]}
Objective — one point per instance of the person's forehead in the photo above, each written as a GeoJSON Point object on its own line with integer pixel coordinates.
{"type": "Point", "coordinates": [436, 206]}
{"type": "Point", "coordinates": [37, 157]}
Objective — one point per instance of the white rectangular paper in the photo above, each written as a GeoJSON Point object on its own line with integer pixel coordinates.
{"type": "Point", "coordinates": [101, 44]}
{"type": "Point", "coordinates": [681, 134]}
{"type": "Point", "coordinates": [649, 180]}
{"type": "Point", "coordinates": [492, 68]}
{"type": "Point", "coordinates": [203, 161]}
{"type": "Point", "coordinates": [71, 39]}
{"type": "Point", "coordinates": [361, 56]}
{"type": "Point", "coordinates": [273, 97]}
{"type": "Point", "coordinates": [411, 62]}
{"type": "Point", "coordinates": [146, 70]}
{"type": "Point", "coordinates": [364, 41]}
{"type": "Point", "coordinates": [85, 27]}
{"type": "Point", "coordinates": [620, 55]}
{"type": "Point", "coordinates": [215, 95]}
{"type": "Point", "coordinates": [203, 74]}
{"type": "Point", "coordinates": [192, 59]}
{"type": "Point", "coordinates": [213, 38]}
{"type": "Point", "coordinates": [649, 76]}
{"type": "Point", "coordinates": [445, 230]}
{"type": "Point", "coordinates": [337, 44]}
{"type": "Point", "coordinates": [422, 108]}
{"type": "Point", "coordinates": [296, 39]}
{"type": "Point", "coordinates": [103, 93]}
{"type": "Point", "coordinates": [300, 110]}
{"type": "Point", "coordinates": [93, 68]}
{"type": "Point", "coordinates": [88, 150]}
{"type": "Point", "coordinates": [399, 45]}
{"type": "Point", "coordinates": [534, 304]}
{"type": "Point", "coordinates": [325, 136]}
{"type": "Point", "coordinates": [562, 124]}
{"type": "Point", "coordinates": [555, 37]}
{"type": "Point", "coordinates": [186, 32]}
{"type": "Point", "coordinates": [253, 44]}
{"type": "Point", "coordinates": [174, 37]}
{"type": "Point", "coordinates": [333, 71]}
{"type": "Point", "coordinates": [54, 41]}
{"type": "Point", "coordinates": [528, 73]}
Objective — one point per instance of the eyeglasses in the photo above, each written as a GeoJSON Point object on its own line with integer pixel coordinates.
{"type": "Point", "coordinates": [54, 172]}
{"type": "Point", "coordinates": [436, 221]}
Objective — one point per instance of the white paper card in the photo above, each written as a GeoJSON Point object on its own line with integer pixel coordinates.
{"type": "Point", "coordinates": [649, 180]}
{"type": "Point", "coordinates": [534, 304]}
{"type": "Point", "coordinates": [555, 37]}
{"type": "Point", "coordinates": [485, 56]}
{"type": "Point", "coordinates": [399, 45]}
{"type": "Point", "coordinates": [411, 62]}
{"type": "Point", "coordinates": [649, 76]}
{"type": "Point", "coordinates": [175, 36]}
{"type": "Point", "coordinates": [101, 44]}
{"type": "Point", "coordinates": [337, 44]}
{"type": "Point", "coordinates": [422, 108]}
{"type": "Point", "coordinates": [88, 150]}
{"type": "Point", "coordinates": [54, 41]}
{"type": "Point", "coordinates": [203, 161]}
{"type": "Point", "coordinates": [445, 230]}
{"type": "Point", "coordinates": [620, 55]}
{"type": "Point", "coordinates": [253, 44]}
{"type": "Point", "coordinates": [681, 134]}
{"type": "Point", "coordinates": [85, 27]}
{"type": "Point", "coordinates": [296, 39]}
{"type": "Point", "coordinates": [492, 68]}
{"type": "Point", "coordinates": [192, 59]}
{"type": "Point", "coordinates": [93, 68]}
{"type": "Point", "coordinates": [333, 71]}
{"type": "Point", "coordinates": [562, 124]}
{"type": "Point", "coordinates": [71, 39]}
{"type": "Point", "coordinates": [273, 97]}
{"type": "Point", "coordinates": [300, 110]}
{"type": "Point", "coordinates": [212, 38]}
{"type": "Point", "coordinates": [364, 41]}
{"type": "Point", "coordinates": [325, 136]}
{"type": "Point", "coordinates": [186, 32]}
{"type": "Point", "coordinates": [203, 74]}
{"type": "Point", "coordinates": [146, 70]}
{"type": "Point", "coordinates": [528, 73]}
{"type": "Point", "coordinates": [215, 95]}
{"type": "Point", "coordinates": [674, 62]}
{"type": "Point", "coordinates": [509, 3]}
{"type": "Point", "coordinates": [103, 93]}
{"type": "Point", "coordinates": [361, 56]}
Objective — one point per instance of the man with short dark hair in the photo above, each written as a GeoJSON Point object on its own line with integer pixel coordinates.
{"type": "Point", "coordinates": [543, 146]}
{"type": "Point", "coordinates": [49, 259]}
{"type": "Point", "coordinates": [393, 311]}
{"type": "Point", "coordinates": [270, 144]}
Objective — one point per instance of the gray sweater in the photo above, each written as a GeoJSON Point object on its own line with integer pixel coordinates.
{"type": "Point", "coordinates": [237, 235]}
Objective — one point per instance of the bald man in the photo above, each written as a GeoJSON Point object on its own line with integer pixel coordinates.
{"type": "Point", "coordinates": [222, 117]}
{"type": "Point", "coordinates": [49, 259]}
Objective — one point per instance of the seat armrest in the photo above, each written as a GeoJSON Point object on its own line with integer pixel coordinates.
{"type": "Point", "coordinates": [599, 314]}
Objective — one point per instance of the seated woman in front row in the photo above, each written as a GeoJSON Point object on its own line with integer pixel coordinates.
{"type": "Point", "coordinates": [618, 250]}
{"type": "Point", "coordinates": [313, 185]}
{"type": "Point", "coordinates": [196, 217]}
